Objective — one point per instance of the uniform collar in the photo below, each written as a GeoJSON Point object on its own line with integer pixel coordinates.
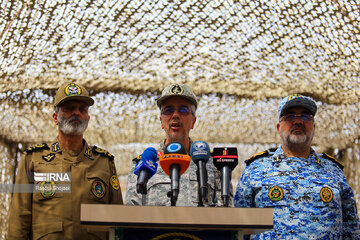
{"type": "Point", "coordinates": [55, 147]}
{"type": "Point", "coordinates": [279, 155]}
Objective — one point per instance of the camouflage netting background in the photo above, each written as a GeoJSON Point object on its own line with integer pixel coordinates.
{"type": "Point", "coordinates": [239, 57]}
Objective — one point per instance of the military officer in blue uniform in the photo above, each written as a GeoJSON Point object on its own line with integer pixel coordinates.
{"type": "Point", "coordinates": [308, 191]}
{"type": "Point", "coordinates": [52, 209]}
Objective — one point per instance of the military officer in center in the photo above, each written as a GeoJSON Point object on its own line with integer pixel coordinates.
{"type": "Point", "coordinates": [84, 174]}
{"type": "Point", "coordinates": [308, 191]}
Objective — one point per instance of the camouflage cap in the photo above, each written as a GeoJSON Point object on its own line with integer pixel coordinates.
{"type": "Point", "coordinates": [72, 91]}
{"type": "Point", "coordinates": [181, 90]}
{"type": "Point", "coordinates": [297, 100]}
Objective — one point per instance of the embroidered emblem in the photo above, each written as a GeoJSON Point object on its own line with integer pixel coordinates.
{"type": "Point", "coordinates": [47, 189]}
{"type": "Point", "coordinates": [114, 182]}
{"type": "Point", "coordinates": [55, 147]}
{"type": "Point", "coordinates": [37, 147]}
{"type": "Point", "coordinates": [98, 188]}
{"type": "Point", "coordinates": [276, 193]}
{"type": "Point", "coordinates": [102, 152]}
{"type": "Point", "coordinates": [88, 152]}
{"type": "Point", "coordinates": [72, 89]}
{"type": "Point", "coordinates": [176, 89]}
{"type": "Point", "coordinates": [326, 194]}
{"type": "Point", "coordinates": [49, 157]}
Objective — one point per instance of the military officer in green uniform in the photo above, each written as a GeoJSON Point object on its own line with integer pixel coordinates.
{"type": "Point", "coordinates": [63, 174]}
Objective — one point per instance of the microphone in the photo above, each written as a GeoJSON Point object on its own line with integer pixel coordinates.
{"type": "Point", "coordinates": [225, 160]}
{"type": "Point", "coordinates": [200, 154]}
{"type": "Point", "coordinates": [174, 162]}
{"type": "Point", "coordinates": [145, 169]}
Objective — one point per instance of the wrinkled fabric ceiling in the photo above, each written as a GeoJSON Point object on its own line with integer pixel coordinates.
{"type": "Point", "coordinates": [239, 57]}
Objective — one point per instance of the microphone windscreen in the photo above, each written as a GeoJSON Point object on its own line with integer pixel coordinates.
{"type": "Point", "coordinates": [225, 156]}
{"type": "Point", "coordinates": [147, 162]}
{"type": "Point", "coordinates": [174, 153]}
{"type": "Point", "coordinates": [175, 147]}
{"type": "Point", "coordinates": [200, 150]}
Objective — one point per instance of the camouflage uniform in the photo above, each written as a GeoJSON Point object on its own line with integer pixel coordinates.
{"type": "Point", "coordinates": [160, 184]}
{"type": "Point", "coordinates": [56, 215]}
{"type": "Point", "coordinates": [311, 197]}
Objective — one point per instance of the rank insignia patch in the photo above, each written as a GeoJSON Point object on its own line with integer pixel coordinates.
{"type": "Point", "coordinates": [326, 194]}
{"type": "Point", "coordinates": [55, 147]}
{"type": "Point", "coordinates": [98, 188]}
{"type": "Point", "coordinates": [49, 157]}
{"type": "Point", "coordinates": [276, 193]}
{"type": "Point", "coordinates": [114, 182]}
{"type": "Point", "coordinates": [47, 189]}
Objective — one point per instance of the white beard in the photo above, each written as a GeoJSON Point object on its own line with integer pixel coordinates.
{"type": "Point", "coordinates": [69, 128]}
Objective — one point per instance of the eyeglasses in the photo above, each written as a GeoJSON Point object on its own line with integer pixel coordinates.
{"type": "Point", "coordinates": [292, 117]}
{"type": "Point", "coordinates": [169, 110]}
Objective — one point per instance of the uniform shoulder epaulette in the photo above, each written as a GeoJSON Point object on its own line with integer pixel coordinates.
{"type": "Point", "coordinates": [102, 152]}
{"type": "Point", "coordinates": [136, 159]}
{"type": "Point", "coordinates": [257, 156]}
{"type": "Point", "coordinates": [327, 156]}
{"type": "Point", "coordinates": [37, 147]}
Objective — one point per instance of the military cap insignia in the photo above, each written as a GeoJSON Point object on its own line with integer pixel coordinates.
{"type": "Point", "coordinates": [114, 182]}
{"type": "Point", "coordinates": [326, 194]}
{"type": "Point", "coordinates": [55, 147]}
{"type": "Point", "coordinates": [256, 156]}
{"type": "Point", "coordinates": [49, 157]}
{"type": "Point", "coordinates": [72, 90]}
{"type": "Point", "coordinates": [36, 147]}
{"type": "Point", "coordinates": [47, 189]}
{"type": "Point", "coordinates": [176, 89]}
{"type": "Point", "coordinates": [102, 152]}
{"type": "Point", "coordinates": [327, 156]}
{"type": "Point", "coordinates": [98, 188]}
{"type": "Point", "coordinates": [276, 193]}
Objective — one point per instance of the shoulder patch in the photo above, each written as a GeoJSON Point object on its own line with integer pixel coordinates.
{"type": "Point", "coordinates": [102, 152]}
{"type": "Point", "coordinates": [257, 156]}
{"type": "Point", "coordinates": [327, 156]}
{"type": "Point", "coordinates": [37, 147]}
{"type": "Point", "coordinates": [136, 159]}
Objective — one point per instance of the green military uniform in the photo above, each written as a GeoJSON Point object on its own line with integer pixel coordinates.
{"type": "Point", "coordinates": [52, 214]}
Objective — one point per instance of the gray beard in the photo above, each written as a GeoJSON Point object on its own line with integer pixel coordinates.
{"type": "Point", "coordinates": [69, 128]}
{"type": "Point", "coordinates": [296, 142]}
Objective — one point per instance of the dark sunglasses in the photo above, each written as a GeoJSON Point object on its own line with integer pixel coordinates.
{"type": "Point", "coordinates": [292, 117]}
{"type": "Point", "coordinates": [169, 110]}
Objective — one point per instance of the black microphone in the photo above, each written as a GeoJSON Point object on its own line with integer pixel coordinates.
{"type": "Point", "coordinates": [174, 162]}
{"type": "Point", "coordinates": [225, 160]}
{"type": "Point", "coordinates": [200, 154]}
{"type": "Point", "coordinates": [145, 169]}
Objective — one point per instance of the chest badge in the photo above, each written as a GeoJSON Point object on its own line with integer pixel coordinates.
{"type": "Point", "coordinates": [326, 194]}
{"type": "Point", "coordinates": [48, 157]}
{"type": "Point", "coordinates": [47, 189]}
{"type": "Point", "coordinates": [98, 188]}
{"type": "Point", "coordinates": [276, 193]}
{"type": "Point", "coordinates": [114, 182]}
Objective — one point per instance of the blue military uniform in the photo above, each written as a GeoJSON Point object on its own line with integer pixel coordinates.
{"type": "Point", "coordinates": [311, 197]}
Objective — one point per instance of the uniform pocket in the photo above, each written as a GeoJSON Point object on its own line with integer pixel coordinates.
{"type": "Point", "coordinates": [48, 230]}
{"type": "Point", "coordinates": [98, 185]}
{"type": "Point", "coordinates": [275, 192]}
{"type": "Point", "coordinates": [325, 194]}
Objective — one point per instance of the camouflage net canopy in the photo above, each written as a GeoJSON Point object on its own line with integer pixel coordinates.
{"type": "Point", "coordinates": [239, 57]}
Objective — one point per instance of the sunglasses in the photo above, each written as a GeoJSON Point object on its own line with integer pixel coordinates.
{"type": "Point", "coordinates": [169, 110]}
{"type": "Point", "coordinates": [292, 117]}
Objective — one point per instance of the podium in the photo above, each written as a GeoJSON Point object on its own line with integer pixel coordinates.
{"type": "Point", "coordinates": [195, 221]}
